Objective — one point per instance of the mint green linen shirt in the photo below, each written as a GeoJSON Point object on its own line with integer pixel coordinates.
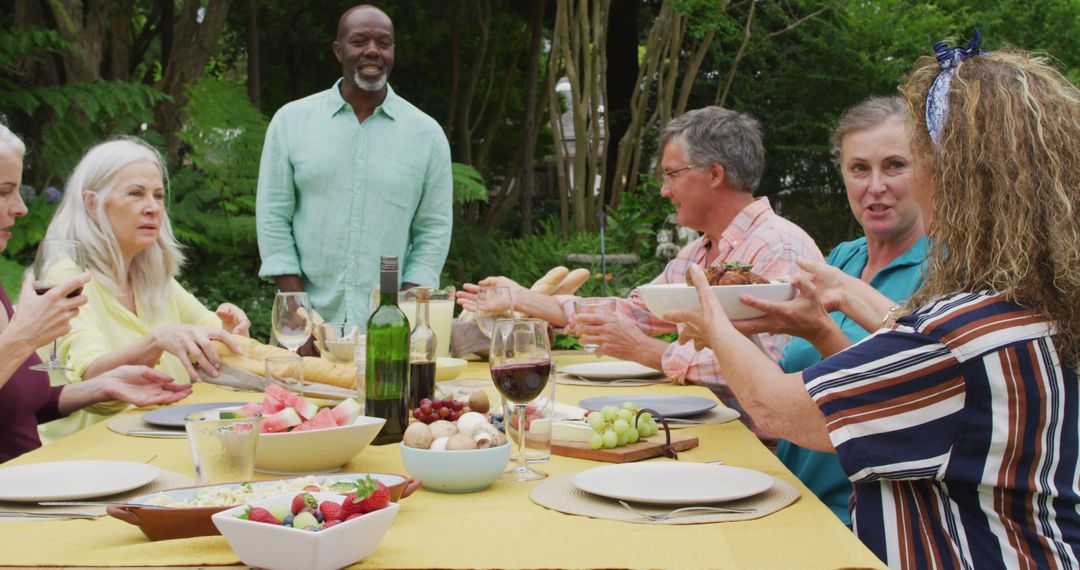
{"type": "Point", "coordinates": [335, 194]}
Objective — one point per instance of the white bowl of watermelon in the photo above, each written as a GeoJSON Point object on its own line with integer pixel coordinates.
{"type": "Point", "coordinates": [300, 437]}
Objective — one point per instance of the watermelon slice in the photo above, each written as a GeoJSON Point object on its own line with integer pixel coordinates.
{"type": "Point", "coordinates": [252, 407]}
{"type": "Point", "coordinates": [346, 412]}
{"type": "Point", "coordinates": [322, 420]}
{"type": "Point", "coordinates": [282, 395]}
{"type": "Point", "coordinates": [271, 405]}
{"type": "Point", "coordinates": [281, 421]}
{"type": "Point", "coordinates": [305, 407]}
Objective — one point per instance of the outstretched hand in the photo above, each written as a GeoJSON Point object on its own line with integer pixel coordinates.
{"type": "Point", "coordinates": [701, 325]}
{"type": "Point", "coordinates": [466, 296]}
{"type": "Point", "coordinates": [142, 386]}
{"type": "Point", "coordinates": [804, 316]}
{"type": "Point", "coordinates": [233, 319]}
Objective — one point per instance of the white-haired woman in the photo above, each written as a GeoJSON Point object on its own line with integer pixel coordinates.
{"type": "Point", "coordinates": [26, 398]}
{"type": "Point", "coordinates": [137, 313]}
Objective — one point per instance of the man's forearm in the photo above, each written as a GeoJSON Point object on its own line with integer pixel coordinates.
{"type": "Point", "coordinates": [289, 283]}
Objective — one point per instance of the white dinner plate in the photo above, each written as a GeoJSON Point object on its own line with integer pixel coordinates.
{"type": "Point", "coordinates": [173, 416]}
{"type": "Point", "coordinates": [71, 480]}
{"type": "Point", "coordinates": [610, 370]}
{"type": "Point", "coordinates": [672, 483]}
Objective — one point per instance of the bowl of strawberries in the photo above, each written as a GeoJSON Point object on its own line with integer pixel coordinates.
{"type": "Point", "coordinates": [310, 530]}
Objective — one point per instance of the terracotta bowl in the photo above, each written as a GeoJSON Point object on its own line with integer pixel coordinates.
{"type": "Point", "coordinates": [164, 523]}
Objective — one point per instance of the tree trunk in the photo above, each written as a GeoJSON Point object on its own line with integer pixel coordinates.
{"type": "Point", "coordinates": [465, 99]}
{"type": "Point", "coordinates": [120, 39]}
{"type": "Point", "coordinates": [621, 78]}
{"type": "Point", "coordinates": [83, 26]}
{"type": "Point", "coordinates": [197, 36]}
{"type": "Point", "coordinates": [251, 43]}
{"type": "Point", "coordinates": [528, 173]}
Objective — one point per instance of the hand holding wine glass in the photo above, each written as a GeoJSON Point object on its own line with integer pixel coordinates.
{"type": "Point", "coordinates": [520, 360]}
{"type": "Point", "coordinates": [41, 319]}
{"type": "Point", "coordinates": [57, 261]}
{"type": "Point", "coordinates": [291, 319]}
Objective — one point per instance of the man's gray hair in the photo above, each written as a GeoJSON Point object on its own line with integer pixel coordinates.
{"type": "Point", "coordinates": [716, 134]}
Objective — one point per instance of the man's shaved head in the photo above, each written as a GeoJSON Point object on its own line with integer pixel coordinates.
{"type": "Point", "coordinates": [363, 10]}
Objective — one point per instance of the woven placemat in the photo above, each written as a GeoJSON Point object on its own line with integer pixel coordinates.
{"type": "Point", "coordinates": [167, 480]}
{"type": "Point", "coordinates": [560, 494]}
{"type": "Point", "coordinates": [133, 425]}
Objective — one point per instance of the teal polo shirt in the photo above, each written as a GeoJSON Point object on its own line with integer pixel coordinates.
{"type": "Point", "coordinates": [821, 472]}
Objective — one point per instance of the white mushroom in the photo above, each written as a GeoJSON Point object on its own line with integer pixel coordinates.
{"type": "Point", "coordinates": [439, 444]}
{"type": "Point", "coordinates": [468, 423]}
{"type": "Point", "coordinates": [442, 428]}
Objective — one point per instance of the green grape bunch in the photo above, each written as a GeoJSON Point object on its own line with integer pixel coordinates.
{"type": "Point", "coordinates": [614, 427]}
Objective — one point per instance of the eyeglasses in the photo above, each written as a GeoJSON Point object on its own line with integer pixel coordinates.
{"type": "Point", "coordinates": [669, 175]}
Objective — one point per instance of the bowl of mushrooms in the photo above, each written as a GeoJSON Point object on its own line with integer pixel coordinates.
{"type": "Point", "coordinates": [455, 457]}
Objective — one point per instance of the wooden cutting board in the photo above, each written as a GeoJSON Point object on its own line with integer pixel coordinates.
{"type": "Point", "coordinates": [643, 449]}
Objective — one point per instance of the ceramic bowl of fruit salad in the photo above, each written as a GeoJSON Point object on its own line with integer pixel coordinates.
{"type": "Point", "coordinates": [186, 511]}
{"type": "Point", "coordinates": [309, 530]}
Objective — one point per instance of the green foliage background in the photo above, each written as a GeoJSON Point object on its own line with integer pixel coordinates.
{"type": "Point", "coordinates": [796, 84]}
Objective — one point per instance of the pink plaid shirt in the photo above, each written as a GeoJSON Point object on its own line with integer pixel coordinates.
{"type": "Point", "coordinates": [758, 237]}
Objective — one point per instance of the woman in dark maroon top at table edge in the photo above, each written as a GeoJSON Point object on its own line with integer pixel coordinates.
{"type": "Point", "coordinates": [26, 398]}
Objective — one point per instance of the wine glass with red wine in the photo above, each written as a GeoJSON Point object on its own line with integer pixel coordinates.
{"type": "Point", "coordinates": [57, 261]}
{"type": "Point", "coordinates": [520, 361]}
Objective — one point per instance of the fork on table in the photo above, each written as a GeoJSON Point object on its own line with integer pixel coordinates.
{"type": "Point", "coordinates": [665, 516]}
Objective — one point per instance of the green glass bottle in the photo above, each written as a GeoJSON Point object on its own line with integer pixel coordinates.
{"type": "Point", "coordinates": [387, 380]}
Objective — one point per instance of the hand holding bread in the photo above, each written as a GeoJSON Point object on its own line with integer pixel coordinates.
{"type": "Point", "coordinates": [253, 354]}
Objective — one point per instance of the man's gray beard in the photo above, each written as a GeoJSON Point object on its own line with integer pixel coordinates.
{"type": "Point", "coordinates": [366, 85]}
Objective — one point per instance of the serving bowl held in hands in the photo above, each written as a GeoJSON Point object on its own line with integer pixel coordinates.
{"type": "Point", "coordinates": [674, 296]}
{"type": "Point", "coordinates": [271, 546]}
{"type": "Point", "coordinates": [460, 471]}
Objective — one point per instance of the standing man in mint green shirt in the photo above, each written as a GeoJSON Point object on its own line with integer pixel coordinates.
{"type": "Point", "coordinates": [350, 174]}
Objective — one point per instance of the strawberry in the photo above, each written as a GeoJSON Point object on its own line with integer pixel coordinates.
{"type": "Point", "coordinates": [369, 495]}
{"type": "Point", "coordinates": [259, 514]}
{"type": "Point", "coordinates": [302, 501]}
{"type": "Point", "coordinates": [353, 516]}
{"type": "Point", "coordinates": [350, 506]}
{"type": "Point", "coordinates": [331, 511]}
{"type": "Point", "coordinates": [330, 524]}
{"type": "Point", "coordinates": [378, 499]}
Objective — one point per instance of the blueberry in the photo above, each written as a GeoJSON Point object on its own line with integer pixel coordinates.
{"type": "Point", "coordinates": [319, 516]}
{"type": "Point", "coordinates": [288, 520]}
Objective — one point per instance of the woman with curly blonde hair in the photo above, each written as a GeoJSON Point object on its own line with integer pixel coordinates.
{"type": "Point", "coordinates": [957, 424]}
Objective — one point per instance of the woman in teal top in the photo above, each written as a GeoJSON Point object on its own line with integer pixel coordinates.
{"type": "Point", "coordinates": [870, 144]}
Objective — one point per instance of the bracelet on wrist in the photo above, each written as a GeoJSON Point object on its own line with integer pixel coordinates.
{"type": "Point", "coordinates": [895, 312]}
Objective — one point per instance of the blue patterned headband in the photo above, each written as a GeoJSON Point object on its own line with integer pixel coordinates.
{"type": "Point", "coordinates": [937, 100]}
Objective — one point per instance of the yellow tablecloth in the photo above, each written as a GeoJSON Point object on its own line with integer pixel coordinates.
{"type": "Point", "coordinates": [496, 528]}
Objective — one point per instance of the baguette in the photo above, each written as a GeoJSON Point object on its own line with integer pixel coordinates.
{"type": "Point", "coordinates": [315, 369]}
{"type": "Point", "coordinates": [550, 281]}
{"type": "Point", "coordinates": [572, 282]}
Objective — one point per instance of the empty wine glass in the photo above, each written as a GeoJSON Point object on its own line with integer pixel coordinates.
{"type": "Point", "coordinates": [57, 261]}
{"type": "Point", "coordinates": [520, 360]}
{"type": "Point", "coordinates": [492, 303]}
{"type": "Point", "coordinates": [291, 319]}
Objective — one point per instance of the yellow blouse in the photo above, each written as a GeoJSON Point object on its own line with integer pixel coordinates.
{"type": "Point", "coordinates": [103, 326]}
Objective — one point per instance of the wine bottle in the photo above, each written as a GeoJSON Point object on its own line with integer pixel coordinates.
{"type": "Point", "coordinates": [387, 379]}
{"type": "Point", "coordinates": [422, 346]}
